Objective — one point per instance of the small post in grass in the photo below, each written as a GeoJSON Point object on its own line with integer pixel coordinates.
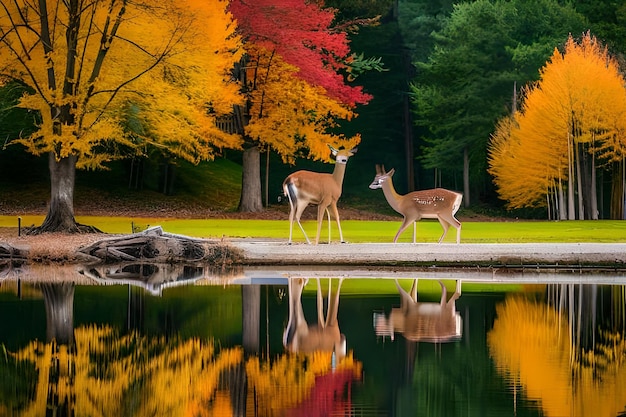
{"type": "Point", "coordinates": [19, 226]}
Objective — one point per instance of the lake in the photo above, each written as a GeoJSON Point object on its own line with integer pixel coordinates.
{"type": "Point", "coordinates": [146, 340]}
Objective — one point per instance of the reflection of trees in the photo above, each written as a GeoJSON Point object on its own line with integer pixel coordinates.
{"type": "Point", "coordinates": [568, 353]}
{"type": "Point", "coordinates": [59, 301]}
{"type": "Point", "coordinates": [108, 374]}
{"type": "Point", "coordinates": [131, 375]}
{"type": "Point", "coordinates": [98, 371]}
{"type": "Point", "coordinates": [292, 381]}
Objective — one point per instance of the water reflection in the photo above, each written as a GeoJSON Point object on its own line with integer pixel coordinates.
{"type": "Point", "coordinates": [150, 276]}
{"type": "Point", "coordinates": [325, 336]}
{"type": "Point", "coordinates": [249, 350]}
{"type": "Point", "coordinates": [567, 352]}
{"type": "Point", "coordinates": [421, 321]}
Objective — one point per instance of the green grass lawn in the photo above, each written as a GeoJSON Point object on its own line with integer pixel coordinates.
{"type": "Point", "coordinates": [357, 231]}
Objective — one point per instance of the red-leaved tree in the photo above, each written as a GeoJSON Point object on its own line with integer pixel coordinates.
{"type": "Point", "coordinates": [302, 35]}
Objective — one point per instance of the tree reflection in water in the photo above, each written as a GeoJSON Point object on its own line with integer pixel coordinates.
{"type": "Point", "coordinates": [107, 374]}
{"type": "Point", "coordinates": [95, 370]}
{"type": "Point", "coordinates": [559, 354]}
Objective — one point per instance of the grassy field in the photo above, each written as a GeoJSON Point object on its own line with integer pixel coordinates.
{"type": "Point", "coordinates": [360, 231]}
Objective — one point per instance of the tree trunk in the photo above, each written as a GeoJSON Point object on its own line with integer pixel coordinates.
{"type": "Point", "coordinates": [60, 217]}
{"type": "Point", "coordinates": [579, 181]}
{"type": "Point", "coordinates": [466, 181]}
{"type": "Point", "coordinates": [251, 200]}
{"type": "Point", "coordinates": [571, 208]}
{"type": "Point", "coordinates": [251, 317]}
{"type": "Point", "coordinates": [562, 204]}
{"type": "Point", "coordinates": [592, 210]}
{"type": "Point", "coordinates": [59, 303]}
{"type": "Point", "coordinates": [617, 191]}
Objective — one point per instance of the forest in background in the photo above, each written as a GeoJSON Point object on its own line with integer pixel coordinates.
{"type": "Point", "coordinates": [482, 62]}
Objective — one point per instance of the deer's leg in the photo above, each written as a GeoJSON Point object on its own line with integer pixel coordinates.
{"type": "Point", "coordinates": [333, 304]}
{"type": "Point", "coordinates": [406, 301]}
{"type": "Point", "coordinates": [292, 211]}
{"type": "Point", "coordinates": [296, 323]}
{"type": "Point", "coordinates": [413, 292]}
{"type": "Point", "coordinates": [444, 224]}
{"type": "Point", "coordinates": [321, 208]}
{"type": "Point", "coordinates": [333, 207]}
{"type": "Point", "coordinates": [457, 291]}
{"type": "Point", "coordinates": [320, 306]}
{"type": "Point", "coordinates": [328, 217]}
{"type": "Point", "coordinates": [444, 295]}
{"type": "Point", "coordinates": [405, 223]}
{"type": "Point", "coordinates": [454, 223]}
{"type": "Point", "coordinates": [457, 294]}
{"type": "Point", "coordinates": [299, 209]}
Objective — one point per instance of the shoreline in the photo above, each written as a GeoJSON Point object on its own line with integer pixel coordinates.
{"type": "Point", "coordinates": [65, 249]}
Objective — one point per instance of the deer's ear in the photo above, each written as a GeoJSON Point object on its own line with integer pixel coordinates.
{"type": "Point", "coordinates": [378, 169]}
{"type": "Point", "coordinates": [390, 173]}
{"type": "Point", "coordinates": [333, 150]}
{"type": "Point", "coordinates": [353, 150]}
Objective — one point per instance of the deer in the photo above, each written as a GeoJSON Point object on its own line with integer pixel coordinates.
{"type": "Point", "coordinates": [436, 203]}
{"type": "Point", "coordinates": [324, 336]}
{"type": "Point", "coordinates": [306, 187]}
{"type": "Point", "coordinates": [422, 321]}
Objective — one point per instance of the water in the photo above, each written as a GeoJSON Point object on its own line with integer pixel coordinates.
{"type": "Point", "coordinates": [177, 342]}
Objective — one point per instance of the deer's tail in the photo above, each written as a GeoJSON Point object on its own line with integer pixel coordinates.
{"type": "Point", "coordinates": [457, 203]}
{"type": "Point", "coordinates": [290, 191]}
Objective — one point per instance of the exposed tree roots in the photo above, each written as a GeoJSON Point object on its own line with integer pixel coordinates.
{"type": "Point", "coordinates": [46, 228]}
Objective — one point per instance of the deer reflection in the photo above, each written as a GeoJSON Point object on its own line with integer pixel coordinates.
{"type": "Point", "coordinates": [325, 336]}
{"type": "Point", "coordinates": [422, 321]}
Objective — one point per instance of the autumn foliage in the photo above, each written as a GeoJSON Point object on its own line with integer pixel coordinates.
{"type": "Point", "coordinates": [296, 79]}
{"type": "Point", "coordinates": [105, 373]}
{"type": "Point", "coordinates": [92, 69]}
{"type": "Point", "coordinates": [301, 33]}
{"type": "Point", "coordinates": [572, 121]}
{"type": "Point", "coordinates": [533, 348]}
{"type": "Point", "coordinates": [289, 114]}
{"type": "Point", "coordinates": [117, 80]}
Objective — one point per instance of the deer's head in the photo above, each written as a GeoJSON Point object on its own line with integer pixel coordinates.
{"type": "Point", "coordinates": [381, 177]}
{"type": "Point", "coordinates": [341, 156]}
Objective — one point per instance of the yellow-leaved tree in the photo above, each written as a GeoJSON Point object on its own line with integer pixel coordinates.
{"type": "Point", "coordinates": [290, 115]}
{"type": "Point", "coordinates": [86, 63]}
{"type": "Point", "coordinates": [287, 115]}
{"type": "Point", "coordinates": [571, 122]}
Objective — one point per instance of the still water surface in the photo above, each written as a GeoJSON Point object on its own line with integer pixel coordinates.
{"type": "Point", "coordinates": [316, 347]}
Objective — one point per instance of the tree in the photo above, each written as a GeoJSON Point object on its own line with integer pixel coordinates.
{"type": "Point", "coordinates": [571, 120]}
{"type": "Point", "coordinates": [607, 19]}
{"type": "Point", "coordinates": [297, 66]}
{"type": "Point", "coordinates": [484, 48]}
{"type": "Point", "coordinates": [86, 63]}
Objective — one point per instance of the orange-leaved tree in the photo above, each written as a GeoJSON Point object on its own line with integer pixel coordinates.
{"type": "Point", "coordinates": [571, 123]}
{"type": "Point", "coordinates": [296, 74]}
{"type": "Point", "coordinates": [85, 63]}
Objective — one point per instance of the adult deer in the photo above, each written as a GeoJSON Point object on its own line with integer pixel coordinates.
{"type": "Point", "coordinates": [325, 336]}
{"type": "Point", "coordinates": [305, 187]}
{"type": "Point", "coordinates": [437, 203]}
{"type": "Point", "coordinates": [422, 321]}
